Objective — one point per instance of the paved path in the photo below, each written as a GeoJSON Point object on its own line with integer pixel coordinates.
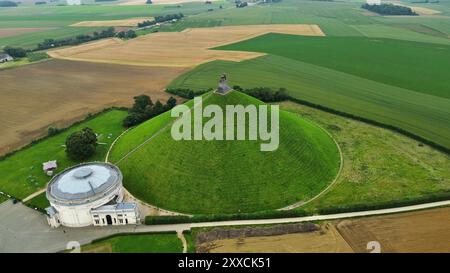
{"type": "Point", "coordinates": [33, 195]}
{"type": "Point", "coordinates": [25, 230]}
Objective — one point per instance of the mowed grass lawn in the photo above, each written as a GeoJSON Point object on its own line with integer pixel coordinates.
{"type": "Point", "coordinates": [137, 243]}
{"type": "Point", "coordinates": [21, 174]}
{"type": "Point", "coordinates": [227, 176]}
{"type": "Point", "coordinates": [40, 202]}
{"type": "Point", "coordinates": [380, 167]}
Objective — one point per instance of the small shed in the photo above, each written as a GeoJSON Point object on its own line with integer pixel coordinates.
{"type": "Point", "coordinates": [5, 58]}
{"type": "Point", "coordinates": [49, 166]}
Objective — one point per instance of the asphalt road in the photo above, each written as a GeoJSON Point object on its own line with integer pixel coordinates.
{"type": "Point", "coordinates": [24, 230]}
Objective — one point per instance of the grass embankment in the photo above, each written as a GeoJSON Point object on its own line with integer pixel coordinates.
{"type": "Point", "coordinates": [21, 173]}
{"type": "Point", "coordinates": [137, 243]}
{"type": "Point", "coordinates": [227, 176]}
{"type": "Point", "coordinates": [380, 167]}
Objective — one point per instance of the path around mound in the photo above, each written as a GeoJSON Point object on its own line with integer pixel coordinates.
{"type": "Point", "coordinates": [289, 207]}
{"type": "Point", "coordinates": [25, 230]}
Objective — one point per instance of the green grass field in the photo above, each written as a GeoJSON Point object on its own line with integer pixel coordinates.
{"type": "Point", "coordinates": [380, 167]}
{"type": "Point", "coordinates": [21, 174]}
{"type": "Point", "coordinates": [139, 243]}
{"type": "Point", "coordinates": [227, 176]}
{"type": "Point", "coordinates": [59, 19]}
{"type": "Point", "coordinates": [339, 18]}
{"type": "Point", "coordinates": [424, 115]}
{"type": "Point", "coordinates": [40, 202]}
{"type": "Point", "coordinates": [415, 66]}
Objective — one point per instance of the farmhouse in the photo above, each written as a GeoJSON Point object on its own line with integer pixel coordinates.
{"type": "Point", "coordinates": [89, 194]}
{"type": "Point", "coordinates": [5, 58]}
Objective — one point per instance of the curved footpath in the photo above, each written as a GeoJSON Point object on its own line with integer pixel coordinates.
{"type": "Point", "coordinates": [35, 235]}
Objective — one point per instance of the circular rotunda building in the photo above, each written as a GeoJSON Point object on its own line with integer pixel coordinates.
{"type": "Point", "coordinates": [89, 194]}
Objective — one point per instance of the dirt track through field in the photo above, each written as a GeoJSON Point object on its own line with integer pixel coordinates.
{"type": "Point", "coordinates": [59, 92]}
{"type": "Point", "coordinates": [188, 48]}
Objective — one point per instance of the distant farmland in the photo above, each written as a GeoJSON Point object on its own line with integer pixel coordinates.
{"type": "Point", "coordinates": [309, 75]}
{"type": "Point", "coordinates": [58, 92]}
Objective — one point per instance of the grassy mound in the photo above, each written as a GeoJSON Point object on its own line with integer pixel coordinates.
{"type": "Point", "coordinates": [226, 176]}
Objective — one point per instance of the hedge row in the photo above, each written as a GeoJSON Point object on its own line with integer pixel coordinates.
{"type": "Point", "coordinates": [373, 122]}
{"type": "Point", "coordinates": [132, 234]}
{"type": "Point", "coordinates": [161, 220]}
{"type": "Point", "coordinates": [401, 203]}
{"type": "Point", "coordinates": [187, 93]}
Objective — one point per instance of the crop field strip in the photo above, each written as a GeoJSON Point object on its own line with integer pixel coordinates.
{"type": "Point", "coordinates": [421, 114]}
{"type": "Point", "coordinates": [181, 49]}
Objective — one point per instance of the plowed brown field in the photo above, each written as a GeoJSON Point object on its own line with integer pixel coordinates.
{"type": "Point", "coordinates": [422, 231]}
{"type": "Point", "coordinates": [59, 92]}
{"type": "Point", "coordinates": [188, 48]}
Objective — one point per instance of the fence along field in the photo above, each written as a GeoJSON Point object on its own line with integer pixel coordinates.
{"type": "Point", "coordinates": [184, 49]}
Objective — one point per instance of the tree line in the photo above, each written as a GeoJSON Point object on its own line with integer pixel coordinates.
{"type": "Point", "coordinates": [161, 19]}
{"type": "Point", "coordinates": [82, 38]}
{"type": "Point", "coordinates": [389, 9]}
{"type": "Point", "coordinates": [144, 109]}
{"type": "Point", "coordinates": [5, 4]}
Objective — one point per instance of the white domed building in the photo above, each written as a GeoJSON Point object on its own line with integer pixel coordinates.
{"type": "Point", "coordinates": [89, 194]}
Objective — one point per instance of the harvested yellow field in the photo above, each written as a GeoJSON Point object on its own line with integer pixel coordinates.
{"type": "Point", "coordinates": [326, 240]}
{"type": "Point", "coordinates": [158, 2]}
{"type": "Point", "coordinates": [418, 10]}
{"type": "Point", "coordinates": [424, 11]}
{"type": "Point", "coordinates": [421, 231]}
{"type": "Point", "coordinates": [188, 48]}
{"type": "Point", "coordinates": [132, 22]}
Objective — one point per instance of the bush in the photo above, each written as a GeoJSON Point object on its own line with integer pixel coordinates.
{"type": "Point", "coordinates": [266, 94]}
{"type": "Point", "coordinates": [8, 4]}
{"type": "Point", "coordinates": [143, 109]}
{"type": "Point", "coordinates": [389, 9]}
{"type": "Point", "coordinates": [37, 56]}
{"type": "Point", "coordinates": [186, 92]}
{"type": "Point", "coordinates": [392, 204]}
{"type": "Point", "coordinates": [51, 131]}
{"type": "Point", "coordinates": [16, 52]}
{"type": "Point", "coordinates": [81, 145]}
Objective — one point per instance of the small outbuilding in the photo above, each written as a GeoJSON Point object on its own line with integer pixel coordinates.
{"type": "Point", "coordinates": [5, 58]}
{"type": "Point", "coordinates": [49, 167]}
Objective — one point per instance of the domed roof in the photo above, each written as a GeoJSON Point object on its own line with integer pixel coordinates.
{"type": "Point", "coordinates": [84, 183]}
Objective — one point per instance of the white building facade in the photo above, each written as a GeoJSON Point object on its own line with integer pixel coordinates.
{"type": "Point", "coordinates": [89, 194]}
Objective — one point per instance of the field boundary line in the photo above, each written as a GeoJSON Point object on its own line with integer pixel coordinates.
{"type": "Point", "coordinates": [113, 143]}
{"type": "Point", "coordinates": [155, 134]}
